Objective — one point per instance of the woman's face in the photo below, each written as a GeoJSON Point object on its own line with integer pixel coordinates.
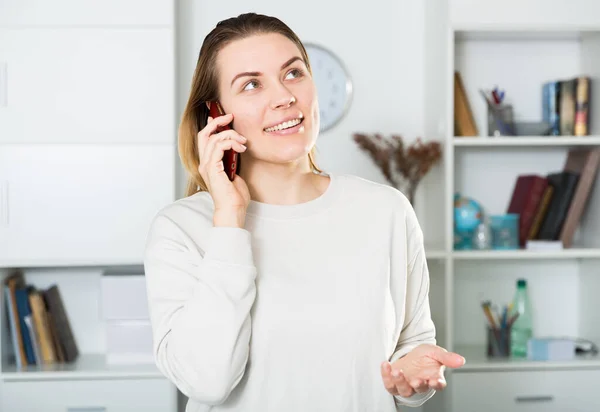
{"type": "Point", "coordinates": [265, 83]}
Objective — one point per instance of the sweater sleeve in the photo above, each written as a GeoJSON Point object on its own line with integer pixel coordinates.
{"type": "Point", "coordinates": [199, 306]}
{"type": "Point", "coordinates": [418, 327]}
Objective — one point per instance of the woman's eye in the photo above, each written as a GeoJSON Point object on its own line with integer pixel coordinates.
{"type": "Point", "coordinates": [294, 74]}
{"type": "Point", "coordinates": [253, 84]}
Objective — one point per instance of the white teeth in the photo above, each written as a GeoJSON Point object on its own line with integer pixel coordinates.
{"type": "Point", "coordinates": [284, 125]}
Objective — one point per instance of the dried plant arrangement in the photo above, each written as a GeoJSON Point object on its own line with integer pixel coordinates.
{"type": "Point", "coordinates": [403, 166]}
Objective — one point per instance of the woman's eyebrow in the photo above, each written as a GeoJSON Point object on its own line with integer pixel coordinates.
{"type": "Point", "coordinates": [257, 74]}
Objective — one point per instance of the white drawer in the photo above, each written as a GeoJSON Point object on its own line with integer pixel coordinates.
{"type": "Point", "coordinates": [525, 391]}
{"type": "Point", "coordinates": [120, 395]}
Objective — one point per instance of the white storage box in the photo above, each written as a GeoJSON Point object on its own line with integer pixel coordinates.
{"type": "Point", "coordinates": [123, 297]}
{"type": "Point", "coordinates": [129, 342]}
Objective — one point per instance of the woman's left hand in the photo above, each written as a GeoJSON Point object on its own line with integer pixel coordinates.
{"type": "Point", "coordinates": [419, 370]}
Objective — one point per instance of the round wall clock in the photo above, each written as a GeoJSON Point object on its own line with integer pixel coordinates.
{"type": "Point", "coordinates": [333, 83]}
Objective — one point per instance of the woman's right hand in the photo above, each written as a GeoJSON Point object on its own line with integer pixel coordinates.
{"type": "Point", "coordinates": [231, 198]}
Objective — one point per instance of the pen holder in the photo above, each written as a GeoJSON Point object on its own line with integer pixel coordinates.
{"type": "Point", "coordinates": [498, 342]}
{"type": "Point", "coordinates": [500, 120]}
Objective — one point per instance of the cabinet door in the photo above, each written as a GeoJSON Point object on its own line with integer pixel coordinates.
{"type": "Point", "coordinates": [120, 395]}
{"type": "Point", "coordinates": [85, 12]}
{"type": "Point", "coordinates": [81, 203]}
{"type": "Point", "coordinates": [525, 391]}
{"type": "Point", "coordinates": [87, 85]}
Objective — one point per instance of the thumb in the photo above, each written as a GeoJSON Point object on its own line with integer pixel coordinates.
{"type": "Point", "coordinates": [448, 359]}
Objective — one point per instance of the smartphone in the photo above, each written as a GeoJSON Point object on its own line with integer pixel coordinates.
{"type": "Point", "coordinates": [230, 157]}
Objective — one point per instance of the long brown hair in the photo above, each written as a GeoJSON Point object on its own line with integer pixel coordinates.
{"type": "Point", "coordinates": [205, 85]}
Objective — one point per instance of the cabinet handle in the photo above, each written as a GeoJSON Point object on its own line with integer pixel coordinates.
{"type": "Point", "coordinates": [541, 398]}
{"type": "Point", "coordinates": [3, 84]}
{"type": "Point", "coordinates": [3, 203]}
{"type": "Point", "coordinates": [87, 409]}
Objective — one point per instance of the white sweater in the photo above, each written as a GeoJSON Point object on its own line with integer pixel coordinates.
{"type": "Point", "coordinates": [295, 312]}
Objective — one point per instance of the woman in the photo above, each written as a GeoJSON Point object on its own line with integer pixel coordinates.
{"type": "Point", "coordinates": [287, 288]}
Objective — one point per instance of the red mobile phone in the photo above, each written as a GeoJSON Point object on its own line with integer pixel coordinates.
{"type": "Point", "coordinates": [230, 158]}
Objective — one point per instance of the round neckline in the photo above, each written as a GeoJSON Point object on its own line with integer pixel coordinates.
{"type": "Point", "coordinates": [271, 211]}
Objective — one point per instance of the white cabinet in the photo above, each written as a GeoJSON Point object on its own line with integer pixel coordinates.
{"type": "Point", "coordinates": [86, 12]}
{"type": "Point", "coordinates": [87, 85]}
{"type": "Point", "coordinates": [88, 204]}
{"type": "Point", "coordinates": [115, 395]}
{"type": "Point", "coordinates": [526, 391]}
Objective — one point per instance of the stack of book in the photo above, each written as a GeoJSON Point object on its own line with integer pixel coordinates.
{"type": "Point", "coordinates": [565, 106]}
{"type": "Point", "coordinates": [39, 326]}
{"type": "Point", "coordinates": [550, 207]}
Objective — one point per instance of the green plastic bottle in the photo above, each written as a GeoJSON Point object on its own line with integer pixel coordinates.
{"type": "Point", "coordinates": [522, 328]}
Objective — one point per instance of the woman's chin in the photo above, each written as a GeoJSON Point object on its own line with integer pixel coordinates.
{"type": "Point", "coordinates": [283, 158]}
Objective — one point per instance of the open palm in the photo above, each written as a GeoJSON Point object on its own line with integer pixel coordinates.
{"type": "Point", "coordinates": [419, 370]}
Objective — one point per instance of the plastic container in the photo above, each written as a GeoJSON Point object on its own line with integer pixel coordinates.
{"type": "Point", "coordinates": [522, 328]}
{"type": "Point", "coordinates": [505, 231]}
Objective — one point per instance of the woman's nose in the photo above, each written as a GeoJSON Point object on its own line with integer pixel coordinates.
{"type": "Point", "coordinates": [283, 100]}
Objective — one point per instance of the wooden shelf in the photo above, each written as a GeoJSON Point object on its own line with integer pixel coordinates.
{"type": "Point", "coordinates": [526, 254]}
{"type": "Point", "coordinates": [87, 366]}
{"type": "Point", "coordinates": [477, 361]}
{"type": "Point", "coordinates": [521, 141]}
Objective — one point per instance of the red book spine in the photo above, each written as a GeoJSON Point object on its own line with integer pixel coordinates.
{"type": "Point", "coordinates": [525, 201]}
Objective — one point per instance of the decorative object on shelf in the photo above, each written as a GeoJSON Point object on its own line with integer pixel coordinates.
{"type": "Point", "coordinates": [403, 166]}
{"type": "Point", "coordinates": [333, 83]}
{"type": "Point", "coordinates": [482, 236]}
{"type": "Point", "coordinates": [505, 231]}
{"type": "Point", "coordinates": [468, 214]}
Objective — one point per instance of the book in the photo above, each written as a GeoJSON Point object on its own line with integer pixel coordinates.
{"type": "Point", "coordinates": [464, 122]}
{"type": "Point", "coordinates": [564, 183]}
{"type": "Point", "coordinates": [526, 198]}
{"type": "Point", "coordinates": [585, 163]}
{"type": "Point", "coordinates": [582, 100]}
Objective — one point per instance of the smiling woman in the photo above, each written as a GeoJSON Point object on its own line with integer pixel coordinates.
{"type": "Point", "coordinates": [281, 289]}
{"type": "Point", "coordinates": [227, 71]}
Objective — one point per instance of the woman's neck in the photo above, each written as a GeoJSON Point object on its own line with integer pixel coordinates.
{"type": "Point", "coordinates": [279, 184]}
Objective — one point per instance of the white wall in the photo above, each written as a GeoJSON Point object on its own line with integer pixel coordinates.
{"type": "Point", "coordinates": [381, 43]}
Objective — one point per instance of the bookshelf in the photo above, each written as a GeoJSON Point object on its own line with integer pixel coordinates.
{"type": "Point", "coordinates": [491, 47]}
{"type": "Point", "coordinates": [520, 60]}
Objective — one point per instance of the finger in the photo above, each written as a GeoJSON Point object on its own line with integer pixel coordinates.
{"type": "Point", "coordinates": [225, 135]}
{"type": "Point", "coordinates": [420, 386]}
{"type": "Point", "coordinates": [211, 128]}
{"type": "Point", "coordinates": [208, 151]}
{"type": "Point", "coordinates": [437, 384]}
{"type": "Point", "coordinates": [386, 375]}
{"type": "Point", "coordinates": [211, 163]}
{"type": "Point", "coordinates": [213, 124]}
{"type": "Point", "coordinates": [217, 154]}
{"type": "Point", "coordinates": [449, 359]}
{"type": "Point", "coordinates": [403, 386]}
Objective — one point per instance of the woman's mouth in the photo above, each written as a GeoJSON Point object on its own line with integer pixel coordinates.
{"type": "Point", "coordinates": [288, 127]}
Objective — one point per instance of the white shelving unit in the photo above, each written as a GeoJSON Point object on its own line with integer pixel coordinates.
{"type": "Point", "coordinates": [87, 157]}
{"type": "Point", "coordinates": [495, 45]}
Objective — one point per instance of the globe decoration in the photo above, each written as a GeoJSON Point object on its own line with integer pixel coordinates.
{"type": "Point", "coordinates": [467, 216]}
